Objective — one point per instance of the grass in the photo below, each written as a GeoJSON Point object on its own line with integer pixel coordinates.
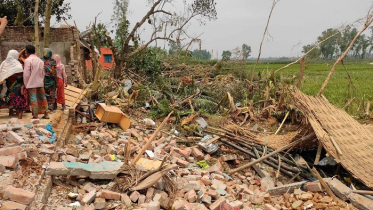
{"type": "Point", "coordinates": [339, 90]}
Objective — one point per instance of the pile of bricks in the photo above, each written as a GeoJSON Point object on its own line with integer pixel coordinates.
{"type": "Point", "coordinates": [18, 139]}
{"type": "Point", "coordinates": [18, 134]}
{"type": "Point", "coordinates": [88, 164]}
{"type": "Point", "coordinates": [196, 188]}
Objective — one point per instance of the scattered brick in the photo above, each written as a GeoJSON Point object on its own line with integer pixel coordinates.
{"type": "Point", "coordinates": [100, 203]}
{"type": "Point", "coordinates": [110, 195]}
{"type": "Point", "coordinates": [18, 195]}
{"type": "Point", "coordinates": [8, 161]}
{"type": "Point", "coordinates": [14, 137]}
{"type": "Point", "coordinates": [10, 205]}
{"type": "Point", "coordinates": [89, 197]}
{"type": "Point", "coordinates": [10, 151]}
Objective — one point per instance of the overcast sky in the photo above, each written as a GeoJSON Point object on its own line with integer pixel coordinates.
{"type": "Point", "coordinates": [294, 23]}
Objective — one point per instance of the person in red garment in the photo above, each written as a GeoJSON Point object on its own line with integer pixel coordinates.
{"type": "Point", "coordinates": [61, 80]}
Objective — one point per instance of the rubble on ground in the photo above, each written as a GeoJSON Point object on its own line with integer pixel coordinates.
{"type": "Point", "coordinates": [181, 164]}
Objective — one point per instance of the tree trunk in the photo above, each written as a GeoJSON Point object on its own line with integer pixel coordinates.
{"type": "Point", "coordinates": [47, 26]}
{"type": "Point", "coordinates": [36, 27]}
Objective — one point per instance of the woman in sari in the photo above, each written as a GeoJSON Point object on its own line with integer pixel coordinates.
{"type": "Point", "coordinates": [10, 69]}
{"type": "Point", "coordinates": [22, 57]}
{"type": "Point", "coordinates": [61, 80]}
{"type": "Point", "coordinates": [50, 79]}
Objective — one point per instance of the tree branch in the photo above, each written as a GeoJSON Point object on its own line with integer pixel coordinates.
{"type": "Point", "coordinates": [260, 49]}
{"type": "Point", "coordinates": [162, 11]}
{"type": "Point", "coordinates": [142, 47]}
{"type": "Point", "coordinates": [139, 24]}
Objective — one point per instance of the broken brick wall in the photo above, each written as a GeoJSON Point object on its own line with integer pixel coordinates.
{"type": "Point", "coordinates": [18, 37]}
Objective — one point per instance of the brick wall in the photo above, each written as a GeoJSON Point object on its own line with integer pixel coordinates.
{"type": "Point", "coordinates": [18, 37]}
{"type": "Point", "coordinates": [26, 34]}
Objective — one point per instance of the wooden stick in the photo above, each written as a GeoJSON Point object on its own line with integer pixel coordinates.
{"type": "Point", "coordinates": [212, 140]}
{"type": "Point", "coordinates": [127, 150]}
{"type": "Point", "coordinates": [258, 170]}
{"type": "Point", "coordinates": [318, 154]}
{"type": "Point", "coordinates": [272, 153]}
{"type": "Point", "coordinates": [185, 100]}
{"type": "Point", "coordinates": [339, 151]}
{"type": "Point", "coordinates": [285, 172]}
{"type": "Point", "coordinates": [301, 70]}
{"type": "Point", "coordinates": [150, 140]}
{"type": "Point", "coordinates": [282, 123]}
{"type": "Point", "coordinates": [191, 106]}
{"type": "Point", "coordinates": [261, 43]}
{"type": "Point", "coordinates": [324, 185]}
{"type": "Point", "coordinates": [363, 192]}
{"type": "Point", "coordinates": [292, 179]}
{"type": "Point", "coordinates": [278, 169]}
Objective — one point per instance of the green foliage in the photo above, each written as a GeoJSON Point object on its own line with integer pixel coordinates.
{"type": "Point", "coordinates": [181, 57]}
{"type": "Point", "coordinates": [161, 110]}
{"type": "Point", "coordinates": [337, 44]}
{"type": "Point", "coordinates": [246, 50]}
{"type": "Point", "coordinates": [147, 63]}
{"type": "Point", "coordinates": [204, 104]}
{"type": "Point", "coordinates": [201, 54]}
{"type": "Point", "coordinates": [226, 55]}
{"type": "Point", "coordinates": [203, 164]}
{"type": "Point", "coordinates": [173, 47]}
{"type": "Point", "coordinates": [8, 8]}
{"type": "Point", "coordinates": [315, 53]}
{"type": "Point", "coordinates": [99, 37]}
{"type": "Point", "coordinates": [339, 89]}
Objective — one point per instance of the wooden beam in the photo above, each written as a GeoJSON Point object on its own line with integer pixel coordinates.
{"type": "Point", "coordinates": [147, 144]}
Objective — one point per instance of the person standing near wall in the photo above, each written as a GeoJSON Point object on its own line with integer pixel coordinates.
{"type": "Point", "coordinates": [33, 77]}
{"type": "Point", "coordinates": [61, 80]}
{"type": "Point", "coordinates": [50, 79]}
{"type": "Point", "coordinates": [3, 23]}
{"type": "Point", "coordinates": [10, 69]}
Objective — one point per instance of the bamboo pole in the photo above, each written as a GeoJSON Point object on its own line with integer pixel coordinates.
{"type": "Point", "coordinates": [337, 148]}
{"type": "Point", "coordinates": [285, 172]}
{"type": "Point", "coordinates": [318, 154]}
{"type": "Point", "coordinates": [150, 140]}
{"type": "Point", "coordinates": [272, 153]}
{"type": "Point", "coordinates": [363, 192]}
{"type": "Point", "coordinates": [324, 185]}
{"type": "Point", "coordinates": [261, 43]}
{"type": "Point", "coordinates": [301, 71]}
{"type": "Point", "coordinates": [366, 25]}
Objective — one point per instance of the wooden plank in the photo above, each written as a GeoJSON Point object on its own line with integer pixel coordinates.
{"type": "Point", "coordinates": [74, 95]}
{"type": "Point", "coordinates": [70, 98]}
{"type": "Point", "coordinates": [72, 88]}
{"type": "Point", "coordinates": [70, 104]}
{"type": "Point", "coordinates": [322, 182]}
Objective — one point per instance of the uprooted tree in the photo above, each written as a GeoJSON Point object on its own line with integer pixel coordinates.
{"type": "Point", "coordinates": [166, 24]}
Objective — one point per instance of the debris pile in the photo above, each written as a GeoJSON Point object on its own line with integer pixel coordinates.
{"type": "Point", "coordinates": [252, 158]}
{"type": "Point", "coordinates": [25, 146]}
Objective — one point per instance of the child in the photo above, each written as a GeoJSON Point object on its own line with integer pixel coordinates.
{"type": "Point", "coordinates": [61, 80]}
{"type": "Point", "coordinates": [19, 101]}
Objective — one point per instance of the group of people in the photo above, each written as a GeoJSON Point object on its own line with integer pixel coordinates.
{"type": "Point", "coordinates": [30, 83]}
